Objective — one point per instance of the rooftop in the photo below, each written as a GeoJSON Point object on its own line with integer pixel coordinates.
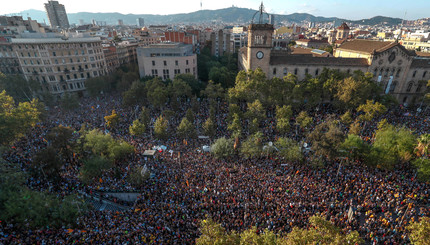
{"type": "Point", "coordinates": [309, 60]}
{"type": "Point", "coordinates": [366, 46]}
{"type": "Point", "coordinates": [55, 40]}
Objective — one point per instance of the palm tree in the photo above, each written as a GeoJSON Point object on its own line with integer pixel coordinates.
{"type": "Point", "coordinates": [422, 148]}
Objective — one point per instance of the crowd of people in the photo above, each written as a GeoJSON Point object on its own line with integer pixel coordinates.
{"type": "Point", "coordinates": [189, 185]}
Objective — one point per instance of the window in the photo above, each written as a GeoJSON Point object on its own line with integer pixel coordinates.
{"type": "Point", "coordinates": [75, 76]}
{"type": "Point", "coordinates": [187, 70]}
{"type": "Point", "coordinates": [420, 85]}
{"type": "Point", "coordinates": [154, 72]}
{"type": "Point", "coordinates": [414, 74]}
{"type": "Point", "coordinates": [186, 62]}
{"type": "Point", "coordinates": [70, 86]}
{"type": "Point", "coordinates": [176, 62]}
{"type": "Point", "coordinates": [409, 87]}
{"type": "Point", "coordinates": [54, 54]}
{"type": "Point", "coordinates": [285, 71]}
{"type": "Point", "coordinates": [306, 71]}
{"type": "Point", "coordinates": [296, 71]}
{"type": "Point", "coordinates": [317, 71]}
{"type": "Point", "coordinates": [153, 63]}
{"type": "Point", "coordinates": [424, 74]}
{"type": "Point", "coordinates": [165, 63]}
{"type": "Point", "coordinates": [68, 77]}
{"type": "Point", "coordinates": [274, 71]}
{"type": "Point", "coordinates": [177, 71]}
{"type": "Point", "coordinates": [393, 86]}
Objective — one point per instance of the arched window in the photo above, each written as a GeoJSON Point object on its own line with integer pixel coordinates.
{"type": "Point", "coordinates": [414, 74]}
{"type": "Point", "coordinates": [398, 72]}
{"type": "Point", "coordinates": [424, 74]}
{"type": "Point", "coordinates": [393, 86]}
{"type": "Point", "coordinates": [419, 87]}
{"type": "Point", "coordinates": [409, 87]}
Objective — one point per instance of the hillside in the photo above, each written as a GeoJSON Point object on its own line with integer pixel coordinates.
{"type": "Point", "coordinates": [227, 15]}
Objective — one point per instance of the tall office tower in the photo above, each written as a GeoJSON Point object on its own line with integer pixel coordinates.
{"type": "Point", "coordinates": [272, 19]}
{"type": "Point", "coordinates": [57, 14]}
{"type": "Point", "coordinates": [140, 22]}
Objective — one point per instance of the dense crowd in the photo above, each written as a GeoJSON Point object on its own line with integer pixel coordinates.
{"type": "Point", "coordinates": [239, 193]}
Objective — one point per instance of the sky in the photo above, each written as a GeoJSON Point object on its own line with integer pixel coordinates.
{"type": "Point", "coordinates": [348, 9]}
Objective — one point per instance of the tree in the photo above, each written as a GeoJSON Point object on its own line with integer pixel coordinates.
{"type": "Point", "coordinates": [186, 129]}
{"type": "Point", "coordinates": [119, 149]}
{"type": "Point", "coordinates": [419, 231]}
{"type": "Point", "coordinates": [371, 110]}
{"type": "Point", "coordinates": [100, 144]}
{"type": "Point", "coordinates": [213, 91]}
{"type": "Point", "coordinates": [222, 75]}
{"type": "Point", "coordinates": [355, 147]}
{"type": "Point", "coordinates": [423, 168]}
{"type": "Point", "coordinates": [135, 95]}
{"type": "Point", "coordinates": [326, 138]}
{"type": "Point", "coordinates": [209, 127]}
{"type": "Point", "coordinates": [157, 93]}
{"type": "Point", "coordinates": [92, 168]}
{"type": "Point", "coordinates": [346, 118]}
{"type": "Point", "coordinates": [15, 120]}
{"type": "Point", "coordinates": [97, 85]}
{"type": "Point", "coordinates": [160, 128]}
{"type": "Point", "coordinates": [303, 120]}
{"type": "Point", "coordinates": [195, 85]}
{"type": "Point", "coordinates": [252, 146]}
{"type": "Point", "coordinates": [321, 232]}
{"type": "Point", "coordinates": [422, 149]}
{"type": "Point", "coordinates": [213, 233]}
{"type": "Point", "coordinates": [283, 115]}
{"type": "Point", "coordinates": [391, 145]}
{"type": "Point", "coordinates": [137, 177]}
{"type": "Point", "coordinates": [223, 148]}
{"type": "Point", "coordinates": [180, 89]}
{"type": "Point", "coordinates": [289, 149]}
{"type": "Point", "coordinates": [190, 115]}
{"type": "Point", "coordinates": [235, 126]}
{"type": "Point", "coordinates": [355, 90]}
{"type": "Point", "coordinates": [355, 128]}
{"type": "Point", "coordinates": [69, 101]}
{"type": "Point", "coordinates": [137, 128]}
{"type": "Point", "coordinates": [112, 120]}
{"type": "Point", "coordinates": [48, 163]}
{"type": "Point", "coordinates": [18, 87]}
{"type": "Point", "coordinates": [255, 110]}
{"type": "Point", "coordinates": [61, 139]}
{"type": "Point", "coordinates": [144, 116]}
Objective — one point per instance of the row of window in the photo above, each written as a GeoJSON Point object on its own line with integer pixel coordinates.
{"type": "Point", "coordinates": [58, 46]}
{"type": "Point", "coordinates": [166, 72]}
{"type": "Point", "coordinates": [72, 86]}
{"type": "Point", "coordinates": [176, 62]}
{"type": "Point", "coordinates": [296, 71]}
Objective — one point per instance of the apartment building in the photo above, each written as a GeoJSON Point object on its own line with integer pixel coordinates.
{"type": "Point", "coordinates": [60, 64]}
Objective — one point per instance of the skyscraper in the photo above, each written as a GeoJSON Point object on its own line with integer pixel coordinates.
{"type": "Point", "coordinates": [56, 14]}
{"type": "Point", "coordinates": [140, 22]}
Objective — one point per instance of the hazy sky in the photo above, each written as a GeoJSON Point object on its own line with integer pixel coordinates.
{"type": "Point", "coordinates": [349, 9]}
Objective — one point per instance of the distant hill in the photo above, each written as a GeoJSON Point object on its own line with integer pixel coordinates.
{"type": "Point", "coordinates": [227, 15]}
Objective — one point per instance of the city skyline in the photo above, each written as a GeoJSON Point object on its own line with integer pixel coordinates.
{"type": "Point", "coordinates": [347, 9]}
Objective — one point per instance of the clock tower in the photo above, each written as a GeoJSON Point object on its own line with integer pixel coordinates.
{"type": "Point", "coordinates": [259, 43]}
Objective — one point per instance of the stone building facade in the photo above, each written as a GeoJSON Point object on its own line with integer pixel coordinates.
{"type": "Point", "coordinates": [401, 73]}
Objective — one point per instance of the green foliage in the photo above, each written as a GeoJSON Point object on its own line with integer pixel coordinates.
{"type": "Point", "coordinates": [93, 168]}
{"type": "Point", "coordinates": [235, 126]}
{"type": "Point", "coordinates": [346, 118]}
{"type": "Point", "coordinates": [209, 127]}
{"type": "Point", "coordinates": [355, 128]}
{"type": "Point", "coordinates": [283, 115]}
{"type": "Point", "coordinates": [135, 176]}
{"type": "Point", "coordinates": [289, 149]}
{"type": "Point", "coordinates": [326, 138]}
{"type": "Point", "coordinates": [355, 90]}
{"type": "Point", "coordinates": [223, 76]}
{"type": "Point", "coordinates": [157, 92]}
{"type": "Point", "coordinates": [135, 95]}
{"type": "Point", "coordinates": [18, 87]}
{"type": "Point", "coordinates": [180, 89]}
{"type": "Point", "coordinates": [104, 145]}
{"type": "Point", "coordinates": [303, 120]}
{"type": "Point", "coordinates": [252, 146]}
{"type": "Point", "coordinates": [61, 139]}
{"type": "Point", "coordinates": [112, 120]}
{"type": "Point", "coordinates": [47, 163]}
{"type": "Point", "coordinates": [186, 129]}
{"type": "Point", "coordinates": [213, 91]}
{"type": "Point", "coordinates": [15, 120]}
{"type": "Point", "coordinates": [354, 147]}
{"type": "Point", "coordinates": [69, 101]}
{"type": "Point", "coordinates": [195, 85]}
{"type": "Point", "coordinates": [255, 110]}
{"type": "Point", "coordinates": [423, 168]}
{"type": "Point", "coordinates": [137, 128]}
{"type": "Point", "coordinates": [422, 149]}
{"type": "Point", "coordinates": [144, 116]}
{"type": "Point", "coordinates": [160, 128]}
{"type": "Point", "coordinates": [190, 115]}
{"type": "Point", "coordinates": [223, 148]}
{"type": "Point", "coordinates": [98, 85]}
{"type": "Point", "coordinates": [371, 110]}
{"type": "Point", "coordinates": [391, 146]}
{"type": "Point", "coordinates": [419, 231]}
{"type": "Point", "coordinates": [213, 233]}
{"type": "Point", "coordinates": [26, 208]}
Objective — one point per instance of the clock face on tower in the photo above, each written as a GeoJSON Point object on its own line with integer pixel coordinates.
{"type": "Point", "coordinates": [260, 55]}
